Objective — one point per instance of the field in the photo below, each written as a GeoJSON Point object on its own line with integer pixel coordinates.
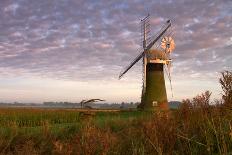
{"type": "Point", "coordinates": [199, 127]}
{"type": "Point", "coordinates": [33, 120]}
{"type": "Point", "coordinates": [189, 130]}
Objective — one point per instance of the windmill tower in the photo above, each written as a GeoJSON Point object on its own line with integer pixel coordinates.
{"type": "Point", "coordinates": [155, 61]}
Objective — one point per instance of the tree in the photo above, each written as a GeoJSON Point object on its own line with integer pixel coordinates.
{"type": "Point", "coordinates": [202, 100]}
{"type": "Point", "coordinates": [226, 84]}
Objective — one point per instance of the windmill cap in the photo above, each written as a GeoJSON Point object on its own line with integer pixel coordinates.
{"type": "Point", "coordinates": [168, 21]}
{"type": "Point", "coordinates": [156, 54]}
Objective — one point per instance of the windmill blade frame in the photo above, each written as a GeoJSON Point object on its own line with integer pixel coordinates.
{"type": "Point", "coordinates": [159, 36]}
{"type": "Point", "coordinates": [131, 64]}
{"type": "Point", "coordinates": [146, 49]}
{"type": "Point", "coordinates": [169, 32]}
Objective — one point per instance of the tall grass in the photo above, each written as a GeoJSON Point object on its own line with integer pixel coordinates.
{"type": "Point", "coordinates": [199, 126]}
{"type": "Point", "coordinates": [188, 130]}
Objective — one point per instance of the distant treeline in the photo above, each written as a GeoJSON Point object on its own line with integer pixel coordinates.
{"type": "Point", "coordinates": [122, 105]}
{"type": "Point", "coordinates": [73, 105]}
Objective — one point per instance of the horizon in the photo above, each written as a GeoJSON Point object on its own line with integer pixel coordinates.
{"type": "Point", "coordinates": [63, 102]}
{"type": "Point", "coordinates": [74, 50]}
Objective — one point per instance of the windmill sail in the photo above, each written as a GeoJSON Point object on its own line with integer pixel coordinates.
{"type": "Point", "coordinates": [159, 35]}
{"type": "Point", "coordinates": [132, 64]}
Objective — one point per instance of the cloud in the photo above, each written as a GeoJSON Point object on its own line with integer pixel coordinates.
{"type": "Point", "coordinates": [90, 40]}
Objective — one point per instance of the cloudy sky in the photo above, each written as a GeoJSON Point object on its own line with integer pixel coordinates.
{"type": "Point", "coordinates": [69, 50]}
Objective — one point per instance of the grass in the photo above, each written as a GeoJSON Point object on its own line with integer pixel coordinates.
{"type": "Point", "coordinates": [33, 127]}
{"type": "Point", "coordinates": [30, 121]}
{"type": "Point", "coordinates": [188, 130]}
{"type": "Point", "coordinates": [195, 128]}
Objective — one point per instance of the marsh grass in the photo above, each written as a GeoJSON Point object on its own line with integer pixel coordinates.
{"type": "Point", "coordinates": [197, 127]}
{"type": "Point", "coordinates": [189, 130]}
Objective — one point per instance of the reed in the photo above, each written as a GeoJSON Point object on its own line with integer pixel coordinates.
{"type": "Point", "coordinates": [199, 126]}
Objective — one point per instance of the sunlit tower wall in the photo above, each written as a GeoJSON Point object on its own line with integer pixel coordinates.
{"type": "Point", "coordinates": [154, 94]}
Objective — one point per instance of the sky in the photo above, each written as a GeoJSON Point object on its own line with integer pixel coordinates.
{"type": "Point", "coordinates": [69, 50]}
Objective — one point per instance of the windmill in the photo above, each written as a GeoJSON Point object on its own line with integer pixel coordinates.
{"type": "Point", "coordinates": [155, 54]}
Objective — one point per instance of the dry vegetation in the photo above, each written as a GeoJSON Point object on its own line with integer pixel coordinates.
{"type": "Point", "coordinates": [197, 127]}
